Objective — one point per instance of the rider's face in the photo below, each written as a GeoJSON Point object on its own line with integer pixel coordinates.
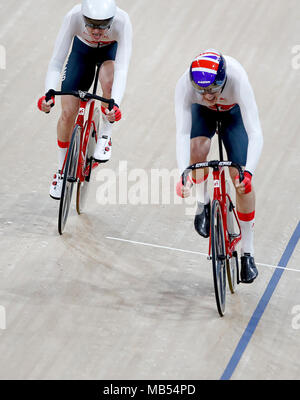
{"type": "Point", "coordinates": [96, 33]}
{"type": "Point", "coordinates": [211, 98]}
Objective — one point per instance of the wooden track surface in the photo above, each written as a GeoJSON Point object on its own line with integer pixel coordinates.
{"type": "Point", "coordinates": [83, 306]}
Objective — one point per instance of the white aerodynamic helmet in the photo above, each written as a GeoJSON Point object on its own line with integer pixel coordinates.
{"type": "Point", "coordinates": [98, 13]}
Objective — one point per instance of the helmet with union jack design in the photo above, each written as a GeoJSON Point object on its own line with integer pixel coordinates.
{"type": "Point", "coordinates": [208, 72]}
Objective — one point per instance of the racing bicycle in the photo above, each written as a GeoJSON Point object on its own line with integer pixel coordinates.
{"type": "Point", "coordinates": [79, 161]}
{"type": "Point", "coordinates": [225, 230]}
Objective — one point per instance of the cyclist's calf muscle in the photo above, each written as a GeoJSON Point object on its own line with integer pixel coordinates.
{"type": "Point", "coordinates": [245, 202]}
{"type": "Point", "coordinates": [106, 78]}
{"type": "Point", "coordinates": [70, 107]}
{"type": "Point", "coordinates": [200, 147]}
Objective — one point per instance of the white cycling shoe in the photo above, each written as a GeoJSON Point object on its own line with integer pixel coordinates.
{"type": "Point", "coordinates": [103, 149]}
{"type": "Point", "coordinates": [56, 186]}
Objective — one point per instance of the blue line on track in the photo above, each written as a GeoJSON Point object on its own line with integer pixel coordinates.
{"type": "Point", "coordinates": [245, 339]}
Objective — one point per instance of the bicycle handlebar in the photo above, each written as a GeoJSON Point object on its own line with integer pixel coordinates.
{"type": "Point", "coordinates": [211, 164]}
{"type": "Point", "coordinates": [85, 96]}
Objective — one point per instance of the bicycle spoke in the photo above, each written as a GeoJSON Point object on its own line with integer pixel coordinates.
{"type": "Point", "coordinates": [218, 257]}
{"type": "Point", "coordinates": [69, 176]}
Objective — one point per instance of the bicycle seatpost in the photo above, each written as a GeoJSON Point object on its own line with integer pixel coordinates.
{"type": "Point", "coordinates": [96, 78]}
{"type": "Point", "coordinates": [219, 132]}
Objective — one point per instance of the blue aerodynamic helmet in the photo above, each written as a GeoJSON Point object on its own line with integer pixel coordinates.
{"type": "Point", "coordinates": [208, 72]}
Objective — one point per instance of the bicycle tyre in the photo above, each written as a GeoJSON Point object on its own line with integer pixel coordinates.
{"type": "Point", "coordinates": [70, 177]}
{"type": "Point", "coordinates": [232, 265]}
{"type": "Point", "coordinates": [218, 256]}
{"type": "Point", "coordinates": [82, 187]}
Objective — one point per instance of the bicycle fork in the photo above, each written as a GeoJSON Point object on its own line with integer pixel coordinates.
{"type": "Point", "coordinates": [219, 189]}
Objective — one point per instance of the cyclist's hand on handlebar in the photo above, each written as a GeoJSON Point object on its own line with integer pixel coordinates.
{"type": "Point", "coordinates": [43, 106]}
{"type": "Point", "coordinates": [245, 186]}
{"type": "Point", "coordinates": [113, 115]}
{"type": "Point", "coordinates": [184, 191]}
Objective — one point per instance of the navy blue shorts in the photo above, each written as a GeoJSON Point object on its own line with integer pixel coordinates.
{"type": "Point", "coordinates": [234, 134]}
{"type": "Point", "coordinates": [80, 69]}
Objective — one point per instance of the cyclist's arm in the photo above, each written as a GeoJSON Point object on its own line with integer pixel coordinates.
{"type": "Point", "coordinates": [122, 57]}
{"type": "Point", "coordinates": [61, 49]}
{"type": "Point", "coordinates": [183, 117]}
{"type": "Point", "coordinates": [251, 121]}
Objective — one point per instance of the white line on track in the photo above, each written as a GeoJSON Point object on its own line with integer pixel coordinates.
{"type": "Point", "coordinates": [189, 251]}
{"type": "Point", "coordinates": [157, 246]}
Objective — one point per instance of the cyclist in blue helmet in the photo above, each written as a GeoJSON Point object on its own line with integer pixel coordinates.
{"type": "Point", "coordinates": [208, 72]}
{"type": "Point", "coordinates": [216, 87]}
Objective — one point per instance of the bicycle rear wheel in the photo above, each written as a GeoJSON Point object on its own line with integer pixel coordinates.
{"type": "Point", "coordinates": [82, 187]}
{"type": "Point", "coordinates": [69, 179]}
{"type": "Point", "coordinates": [232, 265]}
{"type": "Point", "coordinates": [218, 256]}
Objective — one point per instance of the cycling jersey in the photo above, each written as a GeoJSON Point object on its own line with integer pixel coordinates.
{"type": "Point", "coordinates": [237, 91]}
{"type": "Point", "coordinates": [74, 25]}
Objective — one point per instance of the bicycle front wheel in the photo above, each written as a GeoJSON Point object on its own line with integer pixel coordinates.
{"type": "Point", "coordinates": [82, 187]}
{"type": "Point", "coordinates": [218, 256]}
{"type": "Point", "coordinates": [70, 177]}
{"type": "Point", "coordinates": [232, 267]}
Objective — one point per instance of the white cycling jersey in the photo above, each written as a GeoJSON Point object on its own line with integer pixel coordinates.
{"type": "Point", "coordinates": [74, 25]}
{"type": "Point", "coordinates": [236, 91]}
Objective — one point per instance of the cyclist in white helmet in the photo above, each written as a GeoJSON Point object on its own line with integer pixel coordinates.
{"type": "Point", "coordinates": [100, 32]}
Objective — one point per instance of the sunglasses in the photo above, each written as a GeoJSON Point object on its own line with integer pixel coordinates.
{"type": "Point", "coordinates": [98, 24]}
{"type": "Point", "coordinates": [210, 90]}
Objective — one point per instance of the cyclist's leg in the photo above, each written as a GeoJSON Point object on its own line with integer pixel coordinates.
{"type": "Point", "coordinates": [245, 204]}
{"type": "Point", "coordinates": [64, 131]}
{"type": "Point", "coordinates": [69, 110]}
{"type": "Point", "coordinates": [106, 56]}
{"type": "Point", "coordinates": [78, 74]}
{"type": "Point", "coordinates": [106, 78]}
{"type": "Point", "coordinates": [235, 139]}
{"type": "Point", "coordinates": [203, 129]}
